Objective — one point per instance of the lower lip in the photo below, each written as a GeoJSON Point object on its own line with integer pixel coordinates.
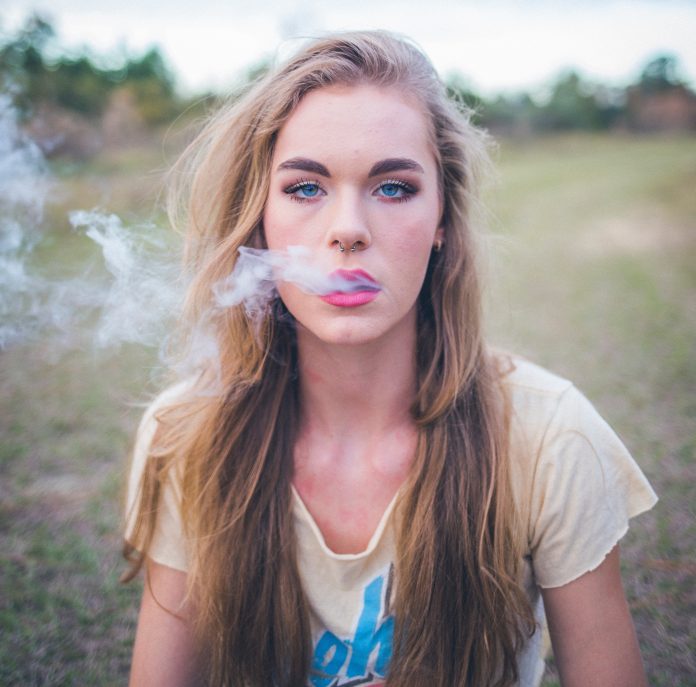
{"type": "Point", "coordinates": [350, 300]}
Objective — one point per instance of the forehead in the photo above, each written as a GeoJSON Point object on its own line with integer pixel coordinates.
{"type": "Point", "coordinates": [348, 122]}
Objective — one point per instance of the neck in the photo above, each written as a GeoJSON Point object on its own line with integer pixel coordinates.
{"type": "Point", "coordinates": [356, 391]}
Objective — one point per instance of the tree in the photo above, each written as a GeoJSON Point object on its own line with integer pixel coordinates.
{"type": "Point", "coordinates": [78, 84]}
{"type": "Point", "coordinates": [22, 63]}
{"type": "Point", "coordinates": [572, 105]}
{"type": "Point", "coordinates": [152, 85]}
{"type": "Point", "coordinates": [660, 74]}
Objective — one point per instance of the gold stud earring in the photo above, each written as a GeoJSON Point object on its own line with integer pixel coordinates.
{"type": "Point", "coordinates": [437, 246]}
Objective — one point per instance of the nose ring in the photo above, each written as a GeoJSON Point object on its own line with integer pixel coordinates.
{"type": "Point", "coordinates": [353, 248]}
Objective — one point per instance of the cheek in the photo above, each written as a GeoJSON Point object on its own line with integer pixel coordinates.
{"type": "Point", "coordinates": [409, 266]}
{"type": "Point", "coordinates": [270, 227]}
{"type": "Point", "coordinates": [412, 241]}
{"type": "Point", "coordinates": [277, 229]}
{"type": "Point", "coordinates": [297, 303]}
{"type": "Point", "coordinates": [410, 252]}
{"type": "Point", "coordinates": [413, 238]}
{"type": "Point", "coordinates": [287, 295]}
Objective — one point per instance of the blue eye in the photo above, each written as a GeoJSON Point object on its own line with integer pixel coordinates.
{"type": "Point", "coordinates": [308, 190]}
{"type": "Point", "coordinates": [395, 190]}
{"type": "Point", "coordinates": [303, 190]}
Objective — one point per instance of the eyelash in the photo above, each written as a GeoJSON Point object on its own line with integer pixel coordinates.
{"type": "Point", "coordinates": [407, 188]}
{"type": "Point", "coordinates": [297, 186]}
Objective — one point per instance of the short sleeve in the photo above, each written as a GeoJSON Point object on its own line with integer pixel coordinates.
{"type": "Point", "coordinates": [168, 545]}
{"type": "Point", "coordinates": [585, 489]}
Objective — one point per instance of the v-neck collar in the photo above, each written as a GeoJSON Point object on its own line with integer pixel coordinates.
{"type": "Point", "coordinates": [302, 512]}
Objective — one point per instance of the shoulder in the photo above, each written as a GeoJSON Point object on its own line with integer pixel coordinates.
{"type": "Point", "coordinates": [538, 398]}
{"type": "Point", "coordinates": [167, 545]}
{"type": "Point", "coordinates": [523, 376]}
{"type": "Point", "coordinates": [171, 395]}
{"type": "Point", "coordinates": [552, 424]}
{"type": "Point", "coordinates": [148, 428]}
{"type": "Point", "coordinates": [145, 435]}
{"type": "Point", "coordinates": [575, 483]}
{"type": "Point", "coordinates": [546, 408]}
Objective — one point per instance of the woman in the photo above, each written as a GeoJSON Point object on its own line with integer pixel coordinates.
{"type": "Point", "coordinates": [374, 497]}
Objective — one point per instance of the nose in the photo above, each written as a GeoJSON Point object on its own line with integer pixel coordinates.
{"type": "Point", "coordinates": [348, 225]}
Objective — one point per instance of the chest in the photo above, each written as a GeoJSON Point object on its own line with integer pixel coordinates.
{"type": "Point", "coordinates": [347, 485]}
{"type": "Point", "coordinates": [347, 507]}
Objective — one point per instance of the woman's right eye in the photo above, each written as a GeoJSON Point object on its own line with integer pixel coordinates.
{"type": "Point", "coordinates": [304, 190]}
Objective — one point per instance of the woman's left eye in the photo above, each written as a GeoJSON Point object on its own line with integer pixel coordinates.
{"type": "Point", "coordinates": [395, 190]}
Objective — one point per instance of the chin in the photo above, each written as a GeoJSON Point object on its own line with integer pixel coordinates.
{"type": "Point", "coordinates": [346, 333]}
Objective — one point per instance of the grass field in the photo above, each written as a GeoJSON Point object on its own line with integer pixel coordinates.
{"type": "Point", "coordinates": [594, 276]}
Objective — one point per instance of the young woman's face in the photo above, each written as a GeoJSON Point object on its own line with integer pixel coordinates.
{"type": "Point", "coordinates": [354, 167]}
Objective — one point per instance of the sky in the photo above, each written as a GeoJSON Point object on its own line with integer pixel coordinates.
{"type": "Point", "coordinates": [497, 45]}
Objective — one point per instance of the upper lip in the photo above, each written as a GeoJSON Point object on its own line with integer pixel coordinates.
{"type": "Point", "coordinates": [354, 275]}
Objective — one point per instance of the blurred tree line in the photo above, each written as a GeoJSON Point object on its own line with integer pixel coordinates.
{"type": "Point", "coordinates": [78, 83]}
{"type": "Point", "coordinates": [660, 100]}
{"type": "Point", "coordinates": [76, 104]}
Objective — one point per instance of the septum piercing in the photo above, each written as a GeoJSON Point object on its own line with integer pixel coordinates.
{"type": "Point", "coordinates": [342, 248]}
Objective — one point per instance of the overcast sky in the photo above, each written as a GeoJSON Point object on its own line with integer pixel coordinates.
{"type": "Point", "coordinates": [499, 45]}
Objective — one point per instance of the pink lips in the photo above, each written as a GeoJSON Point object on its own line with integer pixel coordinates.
{"type": "Point", "coordinates": [366, 289]}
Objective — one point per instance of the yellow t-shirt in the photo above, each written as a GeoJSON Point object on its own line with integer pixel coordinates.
{"type": "Point", "coordinates": [575, 485]}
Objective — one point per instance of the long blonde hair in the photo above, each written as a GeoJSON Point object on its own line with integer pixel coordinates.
{"type": "Point", "coordinates": [461, 616]}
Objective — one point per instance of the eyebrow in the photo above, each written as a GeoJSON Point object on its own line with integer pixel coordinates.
{"type": "Point", "coordinates": [305, 165]}
{"type": "Point", "coordinates": [394, 164]}
{"type": "Point", "coordinates": [390, 164]}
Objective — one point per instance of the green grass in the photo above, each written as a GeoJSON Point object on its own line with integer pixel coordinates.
{"type": "Point", "coordinates": [594, 277]}
{"type": "Point", "coordinates": [67, 427]}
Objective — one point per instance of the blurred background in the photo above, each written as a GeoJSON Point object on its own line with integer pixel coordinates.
{"type": "Point", "coordinates": [592, 218]}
